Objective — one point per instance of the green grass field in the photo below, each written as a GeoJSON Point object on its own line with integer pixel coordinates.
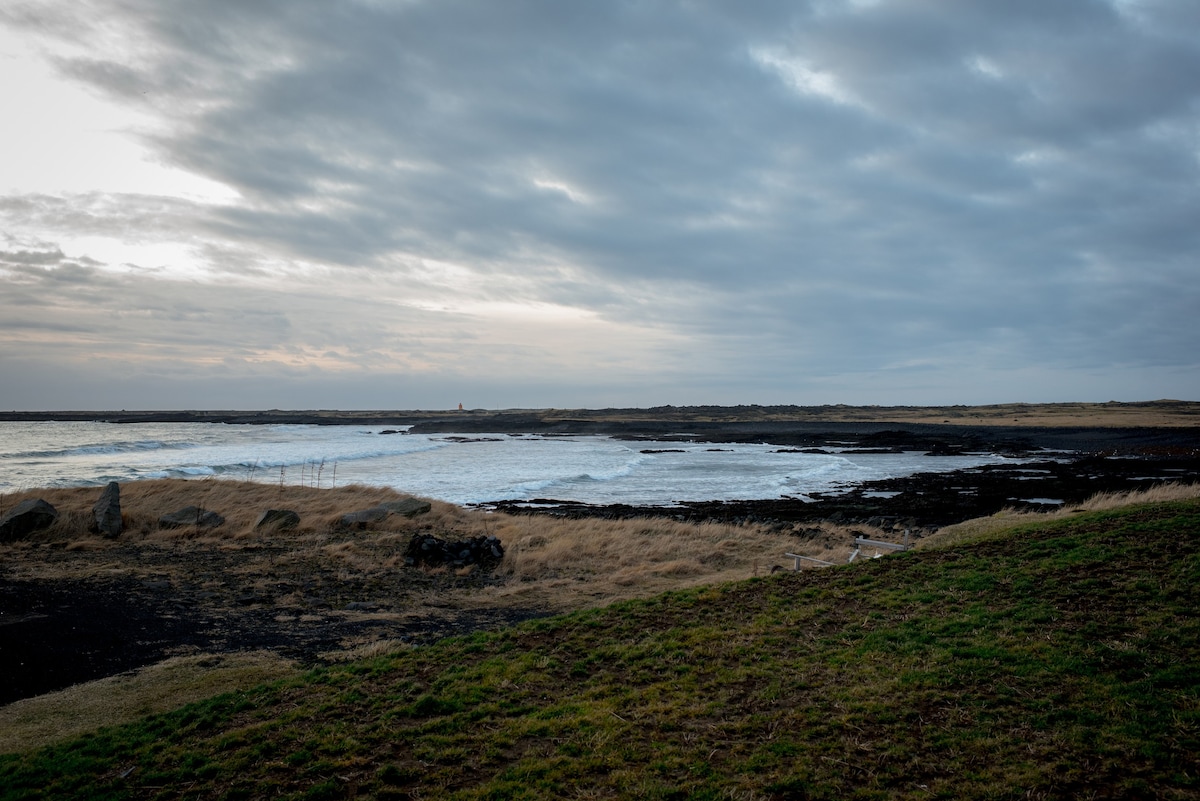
{"type": "Point", "coordinates": [1057, 660]}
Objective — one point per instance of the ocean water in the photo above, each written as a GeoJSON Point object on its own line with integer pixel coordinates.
{"type": "Point", "coordinates": [458, 469]}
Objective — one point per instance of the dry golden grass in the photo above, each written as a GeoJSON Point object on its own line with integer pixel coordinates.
{"type": "Point", "coordinates": [551, 564]}
{"type": "Point", "coordinates": [239, 502]}
{"type": "Point", "coordinates": [984, 527]}
{"type": "Point", "coordinates": [34, 722]}
{"type": "Point", "coordinates": [565, 564]}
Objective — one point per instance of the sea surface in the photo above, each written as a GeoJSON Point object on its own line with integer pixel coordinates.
{"type": "Point", "coordinates": [459, 469]}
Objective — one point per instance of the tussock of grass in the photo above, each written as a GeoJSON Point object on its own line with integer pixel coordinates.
{"type": "Point", "coordinates": [1059, 661]}
{"type": "Point", "coordinates": [370, 650]}
{"type": "Point", "coordinates": [983, 527]}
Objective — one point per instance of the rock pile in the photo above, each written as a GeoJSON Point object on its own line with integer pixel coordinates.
{"type": "Point", "coordinates": [426, 549]}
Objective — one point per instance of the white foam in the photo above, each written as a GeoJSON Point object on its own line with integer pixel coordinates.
{"type": "Point", "coordinates": [584, 468]}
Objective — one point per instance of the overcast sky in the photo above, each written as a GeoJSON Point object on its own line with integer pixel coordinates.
{"type": "Point", "coordinates": [396, 204]}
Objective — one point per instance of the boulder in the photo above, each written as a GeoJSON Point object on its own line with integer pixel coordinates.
{"type": "Point", "coordinates": [409, 507]}
{"type": "Point", "coordinates": [27, 517]}
{"type": "Point", "coordinates": [278, 520]}
{"type": "Point", "coordinates": [107, 511]}
{"type": "Point", "coordinates": [191, 516]}
{"type": "Point", "coordinates": [363, 518]}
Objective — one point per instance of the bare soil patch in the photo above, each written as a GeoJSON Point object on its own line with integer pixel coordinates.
{"type": "Point", "coordinates": [94, 613]}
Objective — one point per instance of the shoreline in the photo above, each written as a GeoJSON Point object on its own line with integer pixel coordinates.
{"type": "Point", "coordinates": [1149, 428]}
{"type": "Point", "coordinates": [922, 502]}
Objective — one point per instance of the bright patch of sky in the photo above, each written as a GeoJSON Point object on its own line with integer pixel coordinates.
{"type": "Point", "coordinates": [94, 142]}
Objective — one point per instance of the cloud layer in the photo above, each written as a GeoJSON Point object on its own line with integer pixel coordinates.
{"type": "Point", "coordinates": [537, 203]}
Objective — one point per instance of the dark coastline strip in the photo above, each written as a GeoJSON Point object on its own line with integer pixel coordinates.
{"type": "Point", "coordinates": [803, 428]}
{"type": "Point", "coordinates": [923, 502]}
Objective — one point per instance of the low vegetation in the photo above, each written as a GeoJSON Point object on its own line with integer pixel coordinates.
{"type": "Point", "coordinates": [1007, 519]}
{"type": "Point", "coordinates": [1059, 658]}
{"type": "Point", "coordinates": [553, 563]}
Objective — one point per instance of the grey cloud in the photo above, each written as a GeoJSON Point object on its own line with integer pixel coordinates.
{"type": "Point", "coordinates": [1016, 179]}
{"type": "Point", "coordinates": [27, 257]}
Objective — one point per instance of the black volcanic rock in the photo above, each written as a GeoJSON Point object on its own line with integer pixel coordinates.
{"type": "Point", "coordinates": [426, 549]}
{"type": "Point", "coordinates": [927, 500]}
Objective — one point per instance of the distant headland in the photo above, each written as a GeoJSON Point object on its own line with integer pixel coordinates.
{"type": "Point", "coordinates": [1112, 414]}
{"type": "Point", "coordinates": [1142, 428]}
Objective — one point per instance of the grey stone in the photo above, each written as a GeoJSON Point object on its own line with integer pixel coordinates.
{"type": "Point", "coordinates": [363, 518]}
{"type": "Point", "coordinates": [27, 517]}
{"type": "Point", "coordinates": [278, 519]}
{"type": "Point", "coordinates": [107, 511]}
{"type": "Point", "coordinates": [191, 516]}
{"type": "Point", "coordinates": [409, 507]}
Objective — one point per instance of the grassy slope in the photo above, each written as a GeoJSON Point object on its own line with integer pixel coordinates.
{"type": "Point", "coordinates": [1061, 660]}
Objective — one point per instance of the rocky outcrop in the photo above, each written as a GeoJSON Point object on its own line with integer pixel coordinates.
{"type": "Point", "coordinates": [27, 517]}
{"type": "Point", "coordinates": [426, 549]}
{"type": "Point", "coordinates": [107, 511]}
{"type": "Point", "coordinates": [277, 520]}
{"type": "Point", "coordinates": [191, 516]}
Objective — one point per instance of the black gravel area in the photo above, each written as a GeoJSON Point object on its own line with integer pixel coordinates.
{"type": "Point", "coordinates": [54, 634]}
